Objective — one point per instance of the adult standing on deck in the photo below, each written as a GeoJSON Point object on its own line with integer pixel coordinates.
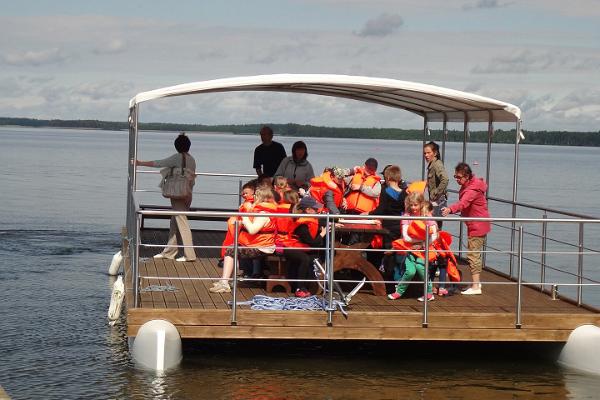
{"type": "Point", "coordinates": [472, 203]}
{"type": "Point", "coordinates": [296, 168]}
{"type": "Point", "coordinates": [437, 179]}
{"type": "Point", "coordinates": [267, 155]}
{"type": "Point", "coordinates": [179, 223]}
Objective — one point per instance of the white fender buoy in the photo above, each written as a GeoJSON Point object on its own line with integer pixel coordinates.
{"type": "Point", "coordinates": [115, 264]}
{"type": "Point", "coordinates": [157, 346]}
{"type": "Point", "coordinates": [582, 351]}
{"type": "Point", "coordinates": [116, 300]}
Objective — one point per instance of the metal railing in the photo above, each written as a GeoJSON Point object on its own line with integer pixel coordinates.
{"type": "Point", "coordinates": [583, 280]}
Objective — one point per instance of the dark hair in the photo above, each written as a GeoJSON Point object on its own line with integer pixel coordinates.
{"type": "Point", "coordinates": [182, 143]}
{"type": "Point", "coordinates": [267, 129]}
{"type": "Point", "coordinates": [435, 148]}
{"type": "Point", "coordinates": [464, 169]}
{"type": "Point", "coordinates": [250, 185]}
{"type": "Point", "coordinates": [371, 162]}
{"type": "Point", "coordinates": [299, 145]}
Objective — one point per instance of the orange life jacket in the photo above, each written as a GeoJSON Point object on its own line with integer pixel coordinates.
{"type": "Point", "coordinates": [313, 229]}
{"type": "Point", "coordinates": [246, 206]}
{"type": "Point", "coordinates": [285, 225]}
{"type": "Point", "coordinates": [442, 245]}
{"type": "Point", "coordinates": [319, 185]}
{"type": "Point", "coordinates": [266, 236]}
{"type": "Point", "coordinates": [356, 199]}
{"type": "Point", "coordinates": [416, 230]}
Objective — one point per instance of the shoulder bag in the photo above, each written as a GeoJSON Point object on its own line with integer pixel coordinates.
{"type": "Point", "coordinates": [177, 184]}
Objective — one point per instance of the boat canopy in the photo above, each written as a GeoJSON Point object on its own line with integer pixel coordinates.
{"type": "Point", "coordinates": [434, 103]}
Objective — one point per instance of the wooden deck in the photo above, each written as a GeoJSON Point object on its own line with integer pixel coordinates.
{"type": "Point", "coordinates": [197, 313]}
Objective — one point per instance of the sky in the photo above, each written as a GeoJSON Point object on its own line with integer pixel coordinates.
{"type": "Point", "coordinates": [71, 59]}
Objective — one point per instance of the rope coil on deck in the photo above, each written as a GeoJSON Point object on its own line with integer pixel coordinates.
{"type": "Point", "coordinates": [312, 303]}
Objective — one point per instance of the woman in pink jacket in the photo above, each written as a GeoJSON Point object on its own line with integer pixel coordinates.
{"type": "Point", "coordinates": [471, 203]}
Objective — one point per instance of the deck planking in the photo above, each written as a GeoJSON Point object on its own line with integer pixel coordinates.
{"type": "Point", "coordinates": [198, 313]}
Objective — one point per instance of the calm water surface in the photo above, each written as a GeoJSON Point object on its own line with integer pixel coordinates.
{"type": "Point", "coordinates": [62, 209]}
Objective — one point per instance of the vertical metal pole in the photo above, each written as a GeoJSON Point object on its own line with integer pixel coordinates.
{"type": "Point", "coordinates": [488, 167]}
{"type": "Point", "coordinates": [240, 198]}
{"type": "Point", "coordinates": [135, 261]}
{"type": "Point", "coordinates": [425, 129]}
{"type": "Point", "coordinates": [425, 323]}
{"type": "Point", "coordinates": [514, 196]}
{"type": "Point", "coordinates": [543, 261]}
{"type": "Point", "coordinates": [444, 138]}
{"type": "Point", "coordinates": [329, 269]}
{"type": "Point", "coordinates": [464, 158]}
{"type": "Point", "coordinates": [235, 273]}
{"type": "Point", "coordinates": [520, 277]}
{"type": "Point", "coordinates": [580, 266]}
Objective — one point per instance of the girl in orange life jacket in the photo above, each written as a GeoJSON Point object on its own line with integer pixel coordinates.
{"type": "Point", "coordinates": [415, 260]}
{"type": "Point", "coordinates": [440, 262]}
{"type": "Point", "coordinates": [248, 196]}
{"type": "Point", "coordinates": [280, 185]}
{"type": "Point", "coordinates": [328, 189]}
{"type": "Point", "coordinates": [285, 225]}
{"type": "Point", "coordinates": [256, 239]}
{"type": "Point", "coordinates": [365, 187]}
{"type": "Point", "coordinates": [308, 232]}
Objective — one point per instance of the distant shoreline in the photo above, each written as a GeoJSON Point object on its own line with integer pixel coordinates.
{"type": "Point", "coordinates": [553, 138]}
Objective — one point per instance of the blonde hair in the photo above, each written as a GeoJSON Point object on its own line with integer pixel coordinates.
{"type": "Point", "coordinates": [263, 193]}
{"type": "Point", "coordinates": [393, 173]}
{"type": "Point", "coordinates": [280, 182]}
{"type": "Point", "coordinates": [426, 208]}
{"type": "Point", "coordinates": [414, 198]}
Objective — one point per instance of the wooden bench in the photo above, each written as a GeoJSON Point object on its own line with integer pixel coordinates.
{"type": "Point", "coordinates": [279, 261]}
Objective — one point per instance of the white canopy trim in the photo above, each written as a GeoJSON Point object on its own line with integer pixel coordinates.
{"type": "Point", "coordinates": [432, 102]}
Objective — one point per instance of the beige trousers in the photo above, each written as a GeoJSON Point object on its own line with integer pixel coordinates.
{"type": "Point", "coordinates": [179, 224]}
{"type": "Point", "coordinates": [475, 245]}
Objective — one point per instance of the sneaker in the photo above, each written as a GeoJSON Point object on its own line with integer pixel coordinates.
{"type": "Point", "coordinates": [160, 255]}
{"type": "Point", "coordinates": [394, 296]}
{"type": "Point", "coordinates": [220, 263]}
{"type": "Point", "coordinates": [471, 291]}
{"type": "Point", "coordinates": [220, 287]}
{"type": "Point", "coordinates": [442, 292]}
{"type": "Point", "coordinates": [302, 293]}
{"type": "Point", "coordinates": [184, 259]}
{"type": "Point", "coordinates": [429, 297]}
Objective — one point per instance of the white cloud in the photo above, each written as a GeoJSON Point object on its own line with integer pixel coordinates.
{"type": "Point", "coordinates": [383, 25]}
{"type": "Point", "coordinates": [113, 46]}
{"type": "Point", "coordinates": [486, 4]}
{"type": "Point", "coordinates": [36, 58]}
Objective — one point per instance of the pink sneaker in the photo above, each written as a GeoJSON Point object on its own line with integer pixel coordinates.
{"type": "Point", "coordinates": [429, 297]}
{"type": "Point", "coordinates": [394, 296]}
{"type": "Point", "coordinates": [442, 292]}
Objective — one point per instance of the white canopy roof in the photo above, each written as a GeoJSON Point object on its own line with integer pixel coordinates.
{"type": "Point", "coordinates": [435, 103]}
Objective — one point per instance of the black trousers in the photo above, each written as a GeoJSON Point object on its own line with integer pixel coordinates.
{"type": "Point", "coordinates": [299, 266]}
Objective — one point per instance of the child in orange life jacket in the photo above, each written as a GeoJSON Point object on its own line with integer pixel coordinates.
{"type": "Point", "coordinates": [256, 238]}
{"type": "Point", "coordinates": [440, 263]}
{"type": "Point", "coordinates": [308, 232]}
{"type": "Point", "coordinates": [365, 188]}
{"type": "Point", "coordinates": [285, 225]}
{"type": "Point", "coordinates": [280, 185]}
{"type": "Point", "coordinates": [412, 241]}
{"type": "Point", "coordinates": [328, 189]}
{"type": "Point", "coordinates": [248, 199]}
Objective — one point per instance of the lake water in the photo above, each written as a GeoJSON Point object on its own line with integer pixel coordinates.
{"type": "Point", "coordinates": [63, 202]}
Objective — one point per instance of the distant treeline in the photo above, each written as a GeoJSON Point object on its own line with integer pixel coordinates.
{"type": "Point", "coordinates": [557, 138]}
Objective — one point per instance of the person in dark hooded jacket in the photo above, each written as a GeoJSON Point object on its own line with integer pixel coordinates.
{"type": "Point", "coordinates": [296, 168]}
{"type": "Point", "coordinates": [472, 203]}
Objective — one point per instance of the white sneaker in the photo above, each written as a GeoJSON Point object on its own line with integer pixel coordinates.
{"type": "Point", "coordinates": [160, 255]}
{"type": "Point", "coordinates": [220, 287]}
{"type": "Point", "coordinates": [183, 259]}
{"type": "Point", "coordinates": [471, 291]}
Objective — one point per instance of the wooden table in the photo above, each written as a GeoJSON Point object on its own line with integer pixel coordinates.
{"type": "Point", "coordinates": [353, 259]}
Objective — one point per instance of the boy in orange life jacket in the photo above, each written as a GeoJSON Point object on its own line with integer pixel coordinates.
{"type": "Point", "coordinates": [365, 187]}
{"type": "Point", "coordinates": [308, 232]}
{"type": "Point", "coordinates": [248, 196]}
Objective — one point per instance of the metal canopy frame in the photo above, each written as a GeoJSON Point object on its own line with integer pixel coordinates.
{"type": "Point", "coordinates": [432, 103]}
